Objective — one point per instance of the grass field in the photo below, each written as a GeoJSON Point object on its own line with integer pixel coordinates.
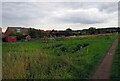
{"type": "Point", "coordinates": [115, 70]}
{"type": "Point", "coordinates": [54, 58]}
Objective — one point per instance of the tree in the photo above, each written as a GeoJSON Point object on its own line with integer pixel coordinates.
{"type": "Point", "coordinates": [68, 32]}
{"type": "Point", "coordinates": [92, 30]}
{"type": "Point", "coordinates": [11, 34]}
{"type": "Point", "coordinates": [31, 32]}
{"type": "Point", "coordinates": [19, 36]}
{"type": "Point", "coordinates": [34, 33]}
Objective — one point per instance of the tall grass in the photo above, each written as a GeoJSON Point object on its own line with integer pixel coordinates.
{"type": "Point", "coordinates": [54, 59]}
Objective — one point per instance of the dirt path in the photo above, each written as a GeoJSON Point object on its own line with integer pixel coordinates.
{"type": "Point", "coordinates": [103, 70]}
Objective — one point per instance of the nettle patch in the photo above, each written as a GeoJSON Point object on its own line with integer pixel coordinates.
{"type": "Point", "coordinates": [54, 46]}
{"type": "Point", "coordinates": [67, 48]}
{"type": "Point", "coordinates": [79, 47]}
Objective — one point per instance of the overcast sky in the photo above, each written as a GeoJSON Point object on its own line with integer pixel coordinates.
{"type": "Point", "coordinates": [60, 15]}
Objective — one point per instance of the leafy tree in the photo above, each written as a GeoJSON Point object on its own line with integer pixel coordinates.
{"type": "Point", "coordinates": [11, 34]}
{"type": "Point", "coordinates": [68, 32]}
{"type": "Point", "coordinates": [19, 36]}
{"type": "Point", "coordinates": [34, 33]}
{"type": "Point", "coordinates": [92, 30]}
{"type": "Point", "coordinates": [31, 32]}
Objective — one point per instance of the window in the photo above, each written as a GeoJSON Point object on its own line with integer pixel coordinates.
{"type": "Point", "coordinates": [18, 30]}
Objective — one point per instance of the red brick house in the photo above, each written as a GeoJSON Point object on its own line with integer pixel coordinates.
{"type": "Point", "coordinates": [13, 30]}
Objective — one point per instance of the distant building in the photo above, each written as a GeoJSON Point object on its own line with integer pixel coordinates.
{"type": "Point", "coordinates": [14, 30]}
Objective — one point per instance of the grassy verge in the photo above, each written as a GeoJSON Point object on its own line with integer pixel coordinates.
{"type": "Point", "coordinates": [115, 70]}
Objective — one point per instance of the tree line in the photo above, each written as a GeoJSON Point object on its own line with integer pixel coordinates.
{"type": "Point", "coordinates": [35, 33]}
{"type": "Point", "coordinates": [70, 32]}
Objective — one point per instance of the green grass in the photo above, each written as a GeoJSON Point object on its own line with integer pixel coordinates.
{"type": "Point", "coordinates": [54, 58]}
{"type": "Point", "coordinates": [115, 70]}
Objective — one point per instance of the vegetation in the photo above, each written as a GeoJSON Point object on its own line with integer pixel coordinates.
{"type": "Point", "coordinates": [34, 33]}
{"type": "Point", "coordinates": [19, 35]}
{"type": "Point", "coordinates": [92, 30]}
{"type": "Point", "coordinates": [54, 58]}
{"type": "Point", "coordinates": [37, 33]}
{"type": "Point", "coordinates": [115, 70]}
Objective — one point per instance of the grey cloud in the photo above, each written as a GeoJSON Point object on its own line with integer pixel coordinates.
{"type": "Point", "coordinates": [82, 20]}
{"type": "Point", "coordinates": [20, 11]}
{"type": "Point", "coordinates": [27, 13]}
{"type": "Point", "coordinates": [102, 6]}
{"type": "Point", "coordinates": [109, 7]}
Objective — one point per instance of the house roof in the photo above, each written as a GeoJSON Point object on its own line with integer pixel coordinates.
{"type": "Point", "coordinates": [14, 27]}
{"type": "Point", "coordinates": [9, 28]}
